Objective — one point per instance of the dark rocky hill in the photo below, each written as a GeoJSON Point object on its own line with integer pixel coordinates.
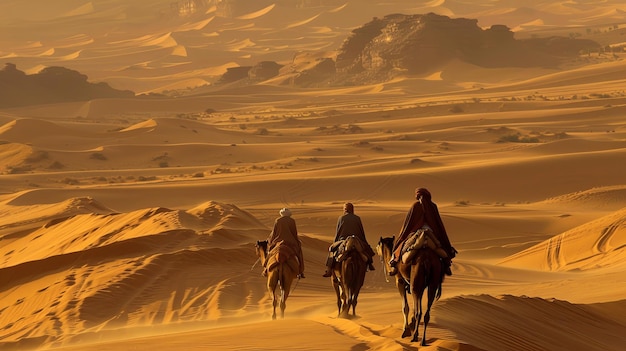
{"type": "Point", "coordinates": [415, 44]}
{"type": "Point", "coordinates": [400, 44]}
{"type": "Point", "coordinates": [50, 85]}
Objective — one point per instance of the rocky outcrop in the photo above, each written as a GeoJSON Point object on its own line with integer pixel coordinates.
{"type": "Point", "coordinates": [414, 44]}
{"type": "Point", "coordinates": [417, 44]}
{"type": "Point", "coordinates": [264, 70]}
{"type": "Point", "coordinates": [51, 85]}
{"type": "Point", "coordinates": [234, 74]}
{"type": "Point", "coordinates": [250, 74]}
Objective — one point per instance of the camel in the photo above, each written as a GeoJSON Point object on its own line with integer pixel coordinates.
{"type": "Point", "coordinates": [348, 275]}
{"type": "Point", "coordinates": [282, 268]}
{"type": "Point", "coordinates": [423, 271]}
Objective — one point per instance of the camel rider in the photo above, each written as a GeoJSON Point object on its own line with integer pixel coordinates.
{"type": "Point", "coordinates": [285, 230]}
{"type": "Point", "coordinates": [349, 224]}
{"type": "Point", "coordinates": [424, 214]}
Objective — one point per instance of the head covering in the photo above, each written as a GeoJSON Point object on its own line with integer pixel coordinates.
{"type": "Point", "coordinates": [424, 193]}
{"type": "Point", "coordinates": [285, 212]}
{"type": "Point", "coordinates": [348, 207]}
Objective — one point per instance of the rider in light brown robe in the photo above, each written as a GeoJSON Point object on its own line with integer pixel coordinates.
{"type": "Point", "coordinates": [423, 213]}
{"type": "Point", "coordinates": [285, 230]}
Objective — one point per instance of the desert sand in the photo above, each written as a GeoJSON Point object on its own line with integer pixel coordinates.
{"type": "Point", "coordinates": [129, 224]}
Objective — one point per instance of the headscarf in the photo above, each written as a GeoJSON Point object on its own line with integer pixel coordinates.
{"type": "Point", "coordinates": [425, 194]}
{"type": "Point", "coordinates": [285, 212]}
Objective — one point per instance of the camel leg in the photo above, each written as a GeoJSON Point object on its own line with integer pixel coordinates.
{"type": "Point", "coordinates": [344, 302]}
{"type": "Point", "coordinates": [338, 294]}
{"type": "Point", "coordinates": [283, 303]}
{"type": "Point", "coordinates": [274, 303]}
{"type": "Point", "coordinates": [355, 299]}
{"type": "Point", "coordinates": [272, 282]}
{"type": "Point", "coordinates": [432, 290]}
{"type": "Point", "coordinates": [405, 307]}
{"type": "Point", "coordinates": [286, 279]}
{"type": "Point", "coordinates": [417, 302]}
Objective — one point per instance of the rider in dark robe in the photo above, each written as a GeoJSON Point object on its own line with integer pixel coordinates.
{"type": "Point", "coordinates": [285, 231]}
{"type": "Point", "coordinates": [424, 214]}
{"type": "Point", "coordinates": [349, 224]}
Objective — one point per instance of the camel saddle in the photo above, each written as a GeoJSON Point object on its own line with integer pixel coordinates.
{"type": "Point", "coordinates": [340, 248]}
{"type": "Point", "coordinates": [422, 238]}
{"type": "Point", "coordinates": [280, 253]}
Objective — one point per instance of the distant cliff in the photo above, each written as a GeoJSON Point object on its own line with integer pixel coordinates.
{"type": "Point", "coordinates": [400, 44]}
{"type": "Point", "coordinates": [50, 85]}
{"type": "Point", "coordinates": [414, 44]}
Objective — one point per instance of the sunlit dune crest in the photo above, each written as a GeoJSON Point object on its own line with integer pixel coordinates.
{"type": "Point", "coordinates": [434, 76]}
{"type": "Point", "coordinates": [601, 14]}
{"type": "Point", "coordinates": [71, 56]}
{"type": "Point", "coordinates": [337, 9]}
{"type": "Point", "coordinates": [161, 40]}
{"type": "Point", "coordinates": [257, 14]}
{"type": "Point", "coordinates": [606, 196]}
{"type": "Point", "coordinates": [31, 45]}
{"type": "Point", "coordinates": [164, 40]}
{"type": "Point", "coordinates": [210, 10]}
{"type": "Point", "coordinates": [303, 22]}
{"type": "Point", "coordinates": [180, 50]}
{"type": "Point", "coordinates": [325, 30]}
{"type": "Point", "coordinates": [81, 10]}
{"type": "Point", "coordinates": [195, 26]}
{"type": "Point", "coordinates": [35, 69]}
{"type": "Point", "coordinates": [149, 124]}
{"type": "Point", "coordinates": [14, 153]}
{"type": "Point", "coordinates": [434, 3]}
{"type": "Point", "coordinates": [536, 23]}
{"type": "Point", "coordinates": [239, 45]}
{"type": "Point", "coordinates": [598, 244]}
{"type": "Point", "coordinates": [28, 130]}
{"type": "Point", "coordinates": [48, 52]}
{"type": "Point", "coordinates": [78, 40]}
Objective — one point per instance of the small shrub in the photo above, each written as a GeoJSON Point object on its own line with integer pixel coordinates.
{"type": "Point", "coordinates": [70, 181]}
{"type": "Point", "coordinates": [56, 165]}
{"type": "Point", "coordinates": [37, 156]}
{"type": "Point", "coordinates": [456, 109]}
{"type": "Point", "coordinates": [98, 156]}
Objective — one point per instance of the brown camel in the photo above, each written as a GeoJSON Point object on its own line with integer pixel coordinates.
{"type": "Point", "coordinates": [424, 271]}
{"type": "Point", "coordinates": [282, 270]}
{"type": "Point", "coordinates": [348, 275]}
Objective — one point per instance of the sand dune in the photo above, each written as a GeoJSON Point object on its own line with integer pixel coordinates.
{"type": "Point", "coordinates": [130, 223]}
{"type": "Point", "coordinates": [258, 13]}
{"type": "Point", "coordinates": [597, 244]}
{"type": "Point", "coordinates": [541, 326]}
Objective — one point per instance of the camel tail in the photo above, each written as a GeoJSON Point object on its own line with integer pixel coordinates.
{"type": "Point", "coordinates": [440, 287]}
